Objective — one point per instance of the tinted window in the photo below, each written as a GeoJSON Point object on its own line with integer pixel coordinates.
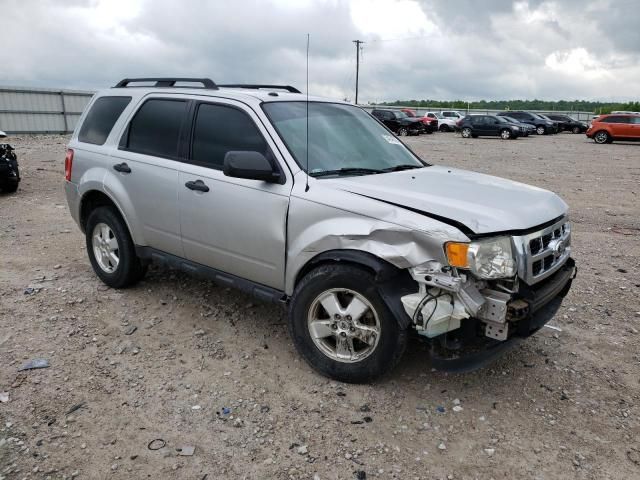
{"type": "Point", "coordinates": [615, 119]}
{"type": "Point", "coordinates": [635, 120]}
{"type": "Point", "coordinates": [155, 129]}
{"type": "Point", "coordinates": [101, 119]}
{"type": "Point", "coordinates": [219, 130]}
{"type": "Point", "coordinates": [477, 119]}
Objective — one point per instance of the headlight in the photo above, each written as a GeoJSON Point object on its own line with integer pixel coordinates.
{"type": "Point", "coordinates": [486, 259]}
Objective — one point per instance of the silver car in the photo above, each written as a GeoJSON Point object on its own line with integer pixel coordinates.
{"type": "Point", "coordinates": [316, 205]}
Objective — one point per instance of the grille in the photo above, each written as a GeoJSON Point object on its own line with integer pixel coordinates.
{"type": "Point", "coordinates": [543, 252]}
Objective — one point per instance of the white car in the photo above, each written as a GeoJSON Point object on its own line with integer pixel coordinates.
{"type": "Point", "coordinates": [445, 124]}
{"type": "Point", "coordinates": [452, 114]}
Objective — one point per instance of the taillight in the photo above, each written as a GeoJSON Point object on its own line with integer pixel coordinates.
{"type": "Point", "coordinates": [68, 165]}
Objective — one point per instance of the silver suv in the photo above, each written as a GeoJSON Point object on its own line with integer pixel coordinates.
{"type": "Point", "coordinates": [371, 245]}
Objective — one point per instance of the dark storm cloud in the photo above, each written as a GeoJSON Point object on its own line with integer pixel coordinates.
{"type": "Point", "coordinates": [467, 49]}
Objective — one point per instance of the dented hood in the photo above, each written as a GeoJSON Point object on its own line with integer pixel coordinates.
{"type": "Point", "coordinates": [482, 203]}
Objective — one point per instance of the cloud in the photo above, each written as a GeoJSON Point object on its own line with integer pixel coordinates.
{"type": "Point", "coordinates": [414, 48]}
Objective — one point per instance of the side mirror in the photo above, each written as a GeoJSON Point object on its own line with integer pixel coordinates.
{"type": "Point", "coordinates": [249, 165]}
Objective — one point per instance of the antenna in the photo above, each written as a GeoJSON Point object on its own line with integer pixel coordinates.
{"type": "Point", "coordinates": [306, 188]}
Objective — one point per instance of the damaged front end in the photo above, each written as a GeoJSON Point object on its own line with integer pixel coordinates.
{"type": "Point", "coordinates": [491, 293]}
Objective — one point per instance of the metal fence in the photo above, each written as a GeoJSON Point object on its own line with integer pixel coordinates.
{"type": "Point", "coordinates": [41, 110]}
{"type": "Point", "coordinates": [581, 116]}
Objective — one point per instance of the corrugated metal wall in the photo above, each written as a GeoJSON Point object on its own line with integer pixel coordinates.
{"type": "Point", "coordinates": [41, 110]}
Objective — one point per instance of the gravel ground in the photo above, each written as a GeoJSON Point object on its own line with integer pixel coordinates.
{"type": "Point", "coordinates": [565, 404]}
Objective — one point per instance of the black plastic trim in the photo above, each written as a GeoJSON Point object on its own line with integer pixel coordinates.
{"type": "Point", "coordinates": [254, 86]}
{"type": "Point", "coordinates": [258, 290]}
{"type": "Point", "coordinates": [207, 83]}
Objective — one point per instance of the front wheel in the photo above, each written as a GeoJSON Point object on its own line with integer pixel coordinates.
{"type": "Point", "coordinates": [444, 128]}
{"type": "Point", "coordinates": [111, 250]}
{"type": "Point", "coordinates": [602, 137]}
{"type": "Point", "coordinates": [576, 130]}
{"type": "Point", "coordinates": [466, 132]}
{"type": "Point", "coordinates": [505, 134]}
{"type": "Point", "coordinates": [403, 132]}
{"type": "Point", "coordinates": [341, 325]}
{"type": "Point", "coordinates": [540, 130]}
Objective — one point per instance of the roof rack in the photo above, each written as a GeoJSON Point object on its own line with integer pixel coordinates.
{"type": "Point", "coordinates": [288, 88]}
{"type": "Point", "coordinates": [168, 82]}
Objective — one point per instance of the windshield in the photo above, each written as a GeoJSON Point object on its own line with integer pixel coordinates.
{"type": "Point", "coordinates": [501, 119]}
{"type": "Point", "coordinates": [341, 137]}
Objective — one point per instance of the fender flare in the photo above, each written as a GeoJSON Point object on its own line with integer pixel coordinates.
{"type": "Point", "coordinates": [392, 282]}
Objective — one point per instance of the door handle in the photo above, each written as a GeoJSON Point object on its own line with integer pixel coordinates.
{"type": "Point", "coordinates": [198, 185]}
{"type": "Point", "coordinates": [122, 167]}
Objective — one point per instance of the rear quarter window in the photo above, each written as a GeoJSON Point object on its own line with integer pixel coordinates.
{"type": "Point", "coordinates": [101, 118]}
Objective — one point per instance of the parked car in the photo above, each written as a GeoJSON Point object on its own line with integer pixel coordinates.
{"type": "Point", "coordinates": [445, 124]}
{"type": "Point", "coordinates": [568, 124]}
{"type": "Point", "coordinates": [431, 124]}
{"type": "Point", "coordinates": [543, 126]}
{"type": "Point", "coordinates": [488, 125]}
{"type": "Point", "coordinates": [607, 128]}
{"type": "Point", "coordinates": [556, 124]}
{"type": "Point", "coordinates": [525, 128]}
{"type": "Point", "coordinates": [358, 238]}
{"type": "Point", "coordinates": [399, 122]}
{"type": "Point", "coordinates": [453, 114]}
{"type": "Point", "coordinates": [9, 171]}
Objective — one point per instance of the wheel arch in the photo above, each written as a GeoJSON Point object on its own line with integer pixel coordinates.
{"type": "Point", "coordinates": [93, 199]}
{"type": "Point", "coordinates": [392, 282]}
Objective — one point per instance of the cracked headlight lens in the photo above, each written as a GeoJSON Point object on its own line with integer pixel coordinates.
{"type": "Point", "coordinates": [486, 259]}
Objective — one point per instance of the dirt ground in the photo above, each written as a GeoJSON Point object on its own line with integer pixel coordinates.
{"type": "Point", "coordinates": [565, 404]}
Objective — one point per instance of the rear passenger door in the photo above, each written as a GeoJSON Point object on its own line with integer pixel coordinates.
{"type": "Point", "coordinates": [238, 226]}
{"type": "Point", "coordinates": [146, 163]}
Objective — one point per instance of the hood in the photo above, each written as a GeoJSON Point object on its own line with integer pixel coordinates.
{"type": "Point", "coordinates": [481, 203]}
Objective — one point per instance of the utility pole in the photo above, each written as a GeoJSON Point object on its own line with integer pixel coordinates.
{"type": "Point", "coordinates": [357, 42]}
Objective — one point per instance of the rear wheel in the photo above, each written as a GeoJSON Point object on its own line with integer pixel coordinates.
{"type": "Point", "coordinates": [111, 250]}
{"type": "Point", "coordinates": [541, 130]}
{"type": "Point", "coordinates": [466, 132]}
{"type": "Point", "coordinates": [402, 132]}
{"type": "Point", "coordinates": [342, 327]}
{"type": "Point", "coordinates": [602, 137]}
{"type": "Point", "coordinates": [505, 134]}
{"type": "Point", "coordinates": [444, 128]}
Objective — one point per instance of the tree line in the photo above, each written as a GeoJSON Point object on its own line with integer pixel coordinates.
{"type": "Point", "coordinates": [545, 105]}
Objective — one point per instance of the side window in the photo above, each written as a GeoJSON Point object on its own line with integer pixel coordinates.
{"type": "Point", "coordinates": [219, 129]}
{"type": "Point", "coordinates": [635, 120]}
{"type": "Point", "coordinates": [155, 128]}
{"type": "Point", "coordinates": [101, 118]}
{"type": "Point", "coordinates": [476, 120]}
{"type": "Point", "coordinates": [615, 119]}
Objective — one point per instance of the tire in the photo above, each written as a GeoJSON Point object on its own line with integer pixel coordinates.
{"type": "Point", "coordinates": [602, 137]}
{"type": "Point", "coordinates": [444, 128]}
{"type": "Point", "coordinates": [576, 130]}
{"type": "Point", "coordinates": [505, 134]}
{"type": "Point", "coordinates": [402, 132]}
{"type": "Point", "coordinates": [128, 269]}
{"type": "Point", "coordinates": [466, 132]}
{"type": "Point", "coordinates": [9, 187]}
{"type": "Point", "coordinates": [541, 130]}
{"type": "Point", "coordinates": [358, 361]}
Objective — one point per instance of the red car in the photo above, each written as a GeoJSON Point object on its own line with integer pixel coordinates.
{"type": "Point", "coordinates": [616, 126]}
{"type": "Point", "coordinates": [431, 124]}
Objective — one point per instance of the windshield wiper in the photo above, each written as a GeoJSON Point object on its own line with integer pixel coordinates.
{"type": "Point", "coordinates": [347, 171]}
{"type": "Point", "coordinates": [399, 168]}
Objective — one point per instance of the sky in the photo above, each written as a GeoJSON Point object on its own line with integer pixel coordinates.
{"type": "Point", "coordinates": [414, 49]}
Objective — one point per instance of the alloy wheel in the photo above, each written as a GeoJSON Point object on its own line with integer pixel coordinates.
{"type": "Point", "coordinates": [344, 325]}
{"type": "Point", "coordinates": [105, 248]}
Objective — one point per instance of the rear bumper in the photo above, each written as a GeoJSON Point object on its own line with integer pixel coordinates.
{"type": "Point", "coordinates": [73, 200]}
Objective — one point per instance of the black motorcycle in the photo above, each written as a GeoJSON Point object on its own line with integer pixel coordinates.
{"type": "Point", "coordinates": [9, 173]}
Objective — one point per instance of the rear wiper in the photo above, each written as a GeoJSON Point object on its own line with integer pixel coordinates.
{"type": "Point", "coordinates": [399, 168]}
{"type": "Point", "coordinates": [347, 171]}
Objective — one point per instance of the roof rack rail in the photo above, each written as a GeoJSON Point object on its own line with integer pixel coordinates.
{"type": "Point", "coordinates": [251, 86]}
{"type": "Point", "coordinates": [168, 82]}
